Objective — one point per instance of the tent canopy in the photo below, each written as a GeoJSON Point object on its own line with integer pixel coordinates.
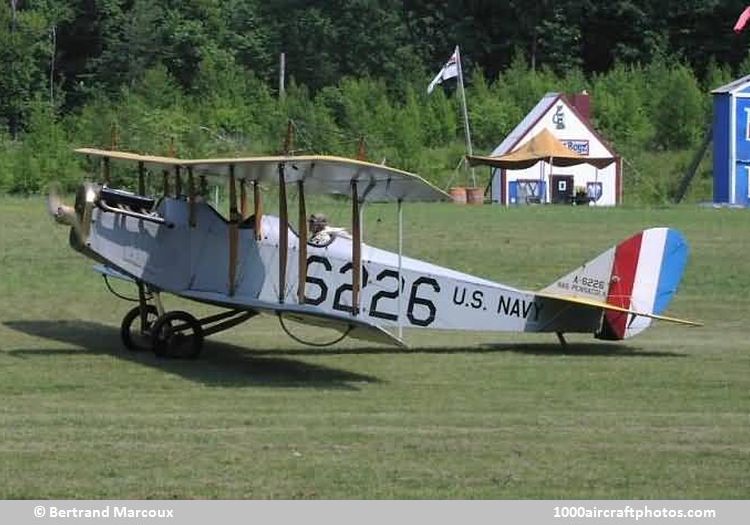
{"type": "Point", "coordinates": [542, 147]}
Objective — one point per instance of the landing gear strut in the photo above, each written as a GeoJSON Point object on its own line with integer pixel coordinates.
{"type": "Point", "coordinates": [175, 333]}
{"type": "Point", "coordinates": [138, 339]}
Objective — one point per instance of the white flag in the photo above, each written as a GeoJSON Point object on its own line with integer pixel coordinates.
{"type": "Point", "coordinates": [450, 70]}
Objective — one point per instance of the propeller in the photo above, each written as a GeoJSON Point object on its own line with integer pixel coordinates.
{"type": "Point", "coordinates": [61, 212]}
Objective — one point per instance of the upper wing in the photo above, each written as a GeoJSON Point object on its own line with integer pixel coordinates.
{"type": "Point", "coordinates": [320, 173]}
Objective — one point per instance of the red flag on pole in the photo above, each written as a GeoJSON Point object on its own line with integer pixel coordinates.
{"type": "Point", "coordinates": [742, 20]}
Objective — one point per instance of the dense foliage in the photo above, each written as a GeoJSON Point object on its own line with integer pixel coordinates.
{"type": "Point", "coordinates": [201, 77]}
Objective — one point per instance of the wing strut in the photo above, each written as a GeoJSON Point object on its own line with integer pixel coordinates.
{"type": "Point", "coordinates": [258, 208]}
{"type": "Point", "coordinates": [233, 230]}
{"type": "Point", "coordinates": [191, 196]}
{"type": "Point", "coordinates": [283, 233]}
{"type": "Point", "coordinates": [356, 250]}
{"type": "Point", "coordinates": [106, 171]}
{"type": "Point", "coordinates": [243, 200]}
{"type": "Point", "coordinates": [400, 254]}
{"type": "Point", "coordinates": [177, 182]}
{"type": "Point", "coordinates": [141, 178]}
{"type": "Point", "coordinates": [302, 261]}
{"type": "Point", "coordinates": [203, 187]}
{"type": "Point", "coordinates": [165, 177]}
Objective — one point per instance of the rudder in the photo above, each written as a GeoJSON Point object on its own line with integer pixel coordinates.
{"type": "Point", "coordinates": [641, 274]}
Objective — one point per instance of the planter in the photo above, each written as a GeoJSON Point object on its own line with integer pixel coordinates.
{"type": "Point", "coordinates": [475, 196]}
{"type": "Point", "coordinates": [458, 194]}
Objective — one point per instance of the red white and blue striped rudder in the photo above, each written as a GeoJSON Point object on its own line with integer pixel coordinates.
{"type": "Point", "coordinates": [641, 275]}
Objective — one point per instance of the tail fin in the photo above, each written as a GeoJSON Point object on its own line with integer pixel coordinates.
{"type": "Point", "coordinates": [640, 274]}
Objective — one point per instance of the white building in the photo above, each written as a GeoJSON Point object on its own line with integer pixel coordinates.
{"type": "Point", "coordinates": [567, 118]}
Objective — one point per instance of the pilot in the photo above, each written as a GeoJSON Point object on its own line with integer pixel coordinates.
{"type": "Point", "coordinates": [321, 234]}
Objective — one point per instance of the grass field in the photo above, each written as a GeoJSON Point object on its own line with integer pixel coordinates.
{"type": "Point", "coordinates": [664, 415]}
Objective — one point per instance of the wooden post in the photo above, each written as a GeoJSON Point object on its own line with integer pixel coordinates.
{"type": "Point", "coordinates": [258, 205]}
{"type": "Point", "coordinates": [289, 139]}
{"type": "Point", "coordinates": [362, 149]}
{"type": "Point", "coordinates": [166, 183]}
{"type": "Point", "coordinates": [233, 230]}
{"type": "Point", "coordinates": [283, 233]}
{"type": "Point", "coordinates": [465, 113]}
{"type": "Point", "coordinates": [113, 138]}
{"type": "Point", "coordinates": [356, 250]}
{"type": "Point", "coordinates": [191, 197]}
{"type": "Point", "coordinates": [302, 259]}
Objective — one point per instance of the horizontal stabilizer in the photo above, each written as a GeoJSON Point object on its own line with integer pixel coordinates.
{"type": "Point", "coordinates": [614, 308]}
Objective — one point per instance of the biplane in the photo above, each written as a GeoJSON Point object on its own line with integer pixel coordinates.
{"type": "Point", "coordinates": [255, 263]}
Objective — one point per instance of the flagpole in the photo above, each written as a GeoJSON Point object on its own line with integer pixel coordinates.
{"type": "Point", "coordinates": [467, 133]}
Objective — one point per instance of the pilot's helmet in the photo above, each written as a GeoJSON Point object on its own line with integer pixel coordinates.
{"type": "Point", "coordinates": [318, 220]}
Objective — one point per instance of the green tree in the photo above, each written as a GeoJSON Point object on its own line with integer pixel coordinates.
{"type": "Point", "coordinates": [24, 62]}
{"type": "Point", "coordinates": [678, 114]}
{"type": "Point", "coordinates": [621, 102]}
{"type": "Point", "coordinates": [131, 43]}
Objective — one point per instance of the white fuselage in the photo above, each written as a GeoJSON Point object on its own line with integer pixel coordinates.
{"type": "Point", "coordinates": [193, 262]}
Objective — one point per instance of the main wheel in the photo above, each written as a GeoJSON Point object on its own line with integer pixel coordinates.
{"type": "Point", "coordinates": [177, 334]}
{"type": "Point", "coordinates": [138, 339]}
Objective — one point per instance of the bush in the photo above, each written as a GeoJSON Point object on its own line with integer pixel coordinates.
{"type": "Point", "coordinates": [679, 113]}
{"type": "Point", "coordinates": [41, 156]}
{"type": "Point", "coordinates": [620, 110]}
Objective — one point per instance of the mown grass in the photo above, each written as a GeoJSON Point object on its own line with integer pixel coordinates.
{"type": "Point", "coordinates": [665, 415]}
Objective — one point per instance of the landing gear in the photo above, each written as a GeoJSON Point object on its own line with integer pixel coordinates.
{"type": "Point", "coordinates": [135, 330]}
{"type": "Point", "coordinates": [172, 334]}
{"type": "Point", "coordinates": [177, 334]}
